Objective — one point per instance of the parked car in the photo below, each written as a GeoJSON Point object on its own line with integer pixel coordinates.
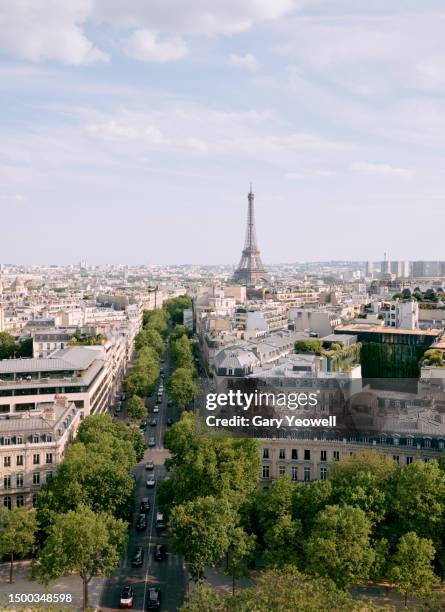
{"type": "Point", "coordinates": [141, 522]}
{"type": "Point", "coordinates": [153, 422]}
{"type": "Point", "coordinates": [160, 521]}
{"type": "Point", "coordinates": [145, 505]}
{"type": "Point", "coordinates": [151, 482]}
{"type": "Point", "coordinates": [160, 552]}
{"type": "Point", "coordinates": [150, 465]}
{"type": "Point", "coordinates": [156, 409]}
{"type": "Point", "coordinates": [169, 422]}
{"type": "Point", "coordinates": [138, 557]}
{"type": "Point", "coordinates": [151, 442]}
{"type": "Point", "coordinates": [127, 597]}
{"type": "Point", "coordinates": [159, 399]}
{"type": "Point", "coordinates": [154, 598]}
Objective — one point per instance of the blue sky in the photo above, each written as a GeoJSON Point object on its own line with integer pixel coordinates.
{"type": "Point", "coordinates": [130, 130]}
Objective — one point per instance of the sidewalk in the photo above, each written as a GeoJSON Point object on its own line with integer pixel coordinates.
{"type": "Point", "coordinates": [23, 585]}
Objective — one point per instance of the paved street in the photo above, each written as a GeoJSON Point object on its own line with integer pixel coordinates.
{"type": "Point", "coordinates": [169, 574]}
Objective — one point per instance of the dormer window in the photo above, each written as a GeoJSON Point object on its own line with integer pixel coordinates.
{"type": "Point", "coordinates": [35, 439]}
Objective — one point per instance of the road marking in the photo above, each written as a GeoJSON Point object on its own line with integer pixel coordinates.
{"type": "Point", "coordinates": [148, 549]}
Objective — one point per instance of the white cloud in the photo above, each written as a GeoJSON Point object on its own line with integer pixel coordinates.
{"type": "Point", "coordinates": [145, 45]}
{"type": "Point", "coordinates": [48, 30]}
{"type": "Point", "coordinates": [380, 169]}
{"type": "Point", "coordinates": [246, 61]}
{"type": "Point", "coordinates": [196, 17]}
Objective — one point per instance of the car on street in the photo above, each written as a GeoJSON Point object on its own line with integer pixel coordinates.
{"type": "Point", "coordinates": [151, 442]}
{"type": "Point", "coordinates": [123, 397]}
{"type": "Point", "coordinates": [144, 506]}
{"type": "Point", "coordinates": [169, 422]}
{"type": "Point", "coordinates": [156, 409]}
{"type": "Point", "coordinates": [160, 521]}
{"type": "Point", "coordinates": [162, 360]}
{"type": "Point", "coordinates": [138, 557]}
{"type": "Point", "coordinates": [153, 422]}
{"type": "Point", "coordinates": [160, 552]}
{"type": "Point", "coordinates": [143, 426]}
{"type": "Point", "coordinates": [154, 598]}
{"type": "Point", "coordinates": [141, 522]}
{"type": "Point", "coordinates": [151, 482]}
{"type": "Point", "coordinates": [159, 399]}
{"type": "Point", "coordinates": [127, 597]}
{"type": "Point", "coordinates": [149, 465]}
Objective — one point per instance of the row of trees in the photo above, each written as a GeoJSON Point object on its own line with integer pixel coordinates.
{"type": "Point", "coordinates": [372, 520]}
{"type": "Point", "coordinates": [79, 523]}
{"type": "Point", "coordinates": [149, 344]}
{"type": "Point", "coordinates": [181, 385]}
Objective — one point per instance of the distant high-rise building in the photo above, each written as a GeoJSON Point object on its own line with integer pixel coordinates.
{"type": "Point", "coordinates": [250, 268]}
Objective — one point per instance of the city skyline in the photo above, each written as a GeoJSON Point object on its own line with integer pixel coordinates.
{"type": "Point", "coordinates": [135, 131]}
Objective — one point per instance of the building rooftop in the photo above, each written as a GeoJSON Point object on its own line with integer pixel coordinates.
{"type": "Point", "coordinates": [363, 327]}
{"type": "Point", "coordinates": [71, 358]}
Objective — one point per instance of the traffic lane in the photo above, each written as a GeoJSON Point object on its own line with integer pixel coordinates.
{"type": "Point", "coordinates": [169, 575]}
{"type": "Point", "coordinates": [126, 574]}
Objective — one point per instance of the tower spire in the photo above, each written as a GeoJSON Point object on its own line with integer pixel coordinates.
{"type": "Point", "coordinates": [250, 268]}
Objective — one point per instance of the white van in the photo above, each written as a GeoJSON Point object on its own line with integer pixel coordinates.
{"type": "Point", "coordinates": [159, 521]}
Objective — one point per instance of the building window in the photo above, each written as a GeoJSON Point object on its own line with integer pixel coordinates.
{"type": "Point", "coordinates": [336, 455]}
{"type": "Point", "coordinates": [427, 443]}
{"type": "Point", "coordinates": [266, 471]}
{"type": "Point", "coordinates": [19, 501]}
{"type": "Point", "coordinates": [265, 453]}
{"type": "Point", "coordinates": [409, 460]}
{"type": "Point", "coordinates": [294, 453]}
{"type": "Point", "coordinates": [307, 474]}
{"type": "Point", "coordinates": [7, 461]}
{"type": "Point", "coordinates": [35, 439]}
{"type": "Point", "coordinates": [36, 478]}
{"type": "Point", "coordinates": [7, 502]}
{"type": "Point", "coordinates": [323, 473]}
{"type": "Point", "coordinates": [282, 470]}
{"type": "Point", "coordinates": [19, 459]}
{"type": "Point", "coordinates": [396, 458]}
{"type": "Point", "coordinates": [294, 473]}
{"type": "Point", "coordinates": [282, 453]}
{"type": "Point", "coordinates": [409, 441]}
{"type": "Point", "coordinates": [19, 481]}
{"type": "Point", "coordinates": [307, 455]}
{"type": "Point", "coordinates": [36, 459]}
{"type": "Point", "coordinates": [6, 441]}
{"type": "Point", "coordinates": [323, 455]}
{"type": "Point", "coordinates": [49, 457]}
{"type": "Point", "coordinates": [7, 482]}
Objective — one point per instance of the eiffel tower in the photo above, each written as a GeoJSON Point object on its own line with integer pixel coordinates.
{"type": "Point", "coordinates": [250, 268]}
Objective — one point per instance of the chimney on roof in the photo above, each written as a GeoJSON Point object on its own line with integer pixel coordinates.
{"type": "Point", "coordinates": [49, 413]}
{"type": "Point", "coordinates": [61, 400]}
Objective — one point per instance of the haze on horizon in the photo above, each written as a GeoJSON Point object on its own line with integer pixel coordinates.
{"type": "Point", "coordinates": [130, 131]}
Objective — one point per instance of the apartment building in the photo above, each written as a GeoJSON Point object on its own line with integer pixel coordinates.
{"type": "Point", "coordinates": [32, 445]}
{"type": "Point", "coordinates": [79, 373]}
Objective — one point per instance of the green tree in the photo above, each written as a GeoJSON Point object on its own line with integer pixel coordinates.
{"type": "Point", "coordinates": [8, 345]}
{"type": "Point", "coordinates": [157, 319]}
{"type": "Point", "coordinates": [149, 337]}
{"type": "Point", "coordinates": [308, 500]}
{"type": "Point", "coordinates": [362, 481]}
{"type": "Point", "coordinates": [288, 590]}
{"type": "Point", "coordinates": [309, 346]}
{"type": "Point", "coordinates": [283, 540]}
{"type": "Point", "coordinates": [95, 425]}
{"type": "Point", "coordinates": [201, 531]}
{"type": "Point", "coordinates": [136, 408]}
{"type": "Point", "coordinates": [176, 306]}
{"type": "Point", "coordinates": [239, 553]}
{"type": "Point", "coordinates": [201, 466]}
{"type": "Point", "coordinates": [181, 387]}
{"type": "Point", "coordinates": [412, 570]}
{"type": "Point", "coordinates": [339, 546]}
{"type": "Point", "coordinates": [17, 534]}
{"type": "Point", "coordinates": [82, 542]}
{"type": "Point", "coordinates": [203, 598]}
{"type": "Point", "coordinates": [181, 353]}
{"type": "Point", "coordinates": [178, 331]}
{"type": "Point", "coordinates": [417, 500]}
